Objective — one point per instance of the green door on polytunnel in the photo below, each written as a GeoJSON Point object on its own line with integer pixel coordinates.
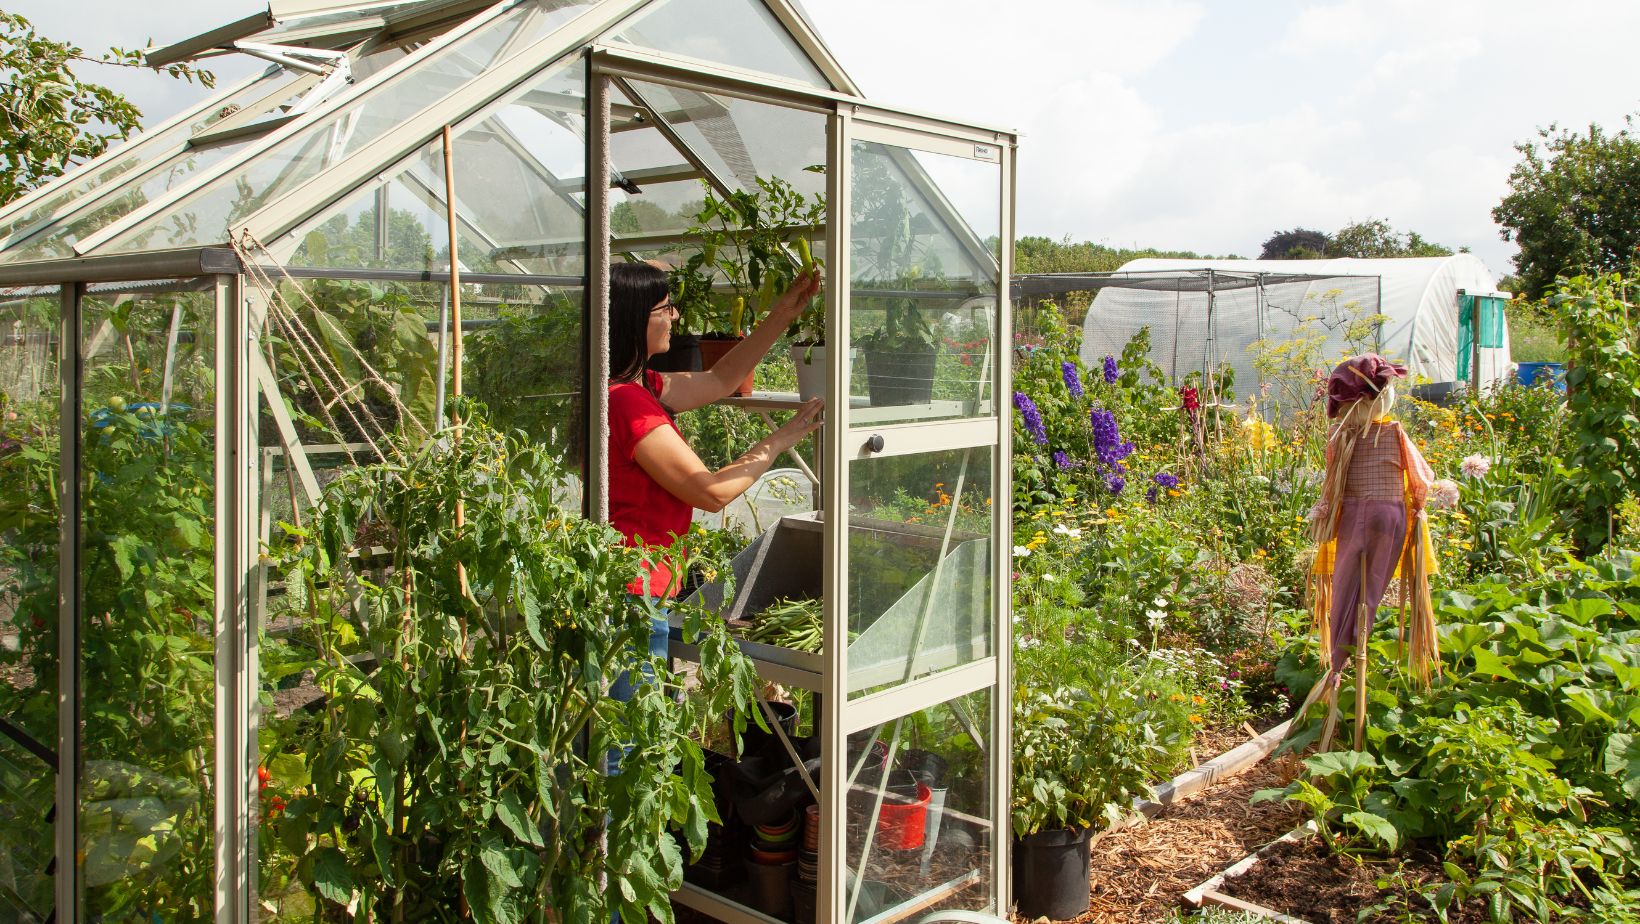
{"type": "Point", "coordinates": [920, 442]}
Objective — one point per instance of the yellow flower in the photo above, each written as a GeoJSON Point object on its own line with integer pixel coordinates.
{"type": "Point", "coordinates": [1198, 699]}
{"type": "Point", "coordinates": [1259, 553]}
{"type": "Point", "coordinates": [1195, 720]}
{"type": "Point", "coordinates": [1177, 697]}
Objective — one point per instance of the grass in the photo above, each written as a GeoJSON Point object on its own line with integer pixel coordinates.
{"type": "Point", "coordinates": [1532, 336]}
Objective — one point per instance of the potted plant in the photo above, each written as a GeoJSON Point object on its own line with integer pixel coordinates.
{"type": "Point", "coordinates": [900, 356]}
{"type": "Point", "coordinates": [809, 336]}
{"type": "Point", "coordinates": [743, 263]}
{"type": "Point", "coordinates": [1084, 747]}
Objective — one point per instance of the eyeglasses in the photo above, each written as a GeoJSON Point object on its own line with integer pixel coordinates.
{"type": "Point", "coordinates": [667, 305]}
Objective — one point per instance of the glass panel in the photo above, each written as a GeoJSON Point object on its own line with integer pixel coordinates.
{"type": "Point", "coordinates": [738, 33]}
{"type": "Point", "coordinates": [919, 565]}
{"type": "Point", "coordinates": [29, 453]}
{"type": "Point", "coordinates": [517, 213]}
{"type": "Point", "coordinates": [923, 285]}
{"type": "Point", "coordinates": [740, 140]}
{"type": "Point", "coordinates": [118, 164]}
{"type": "Point", "coordinates": [658, 209]}
{"type": "Point", "coordinates": [147, 603]}
{"type": "Point", "coordinates": [206, 216]}
{"type": "Point", "coordinates": [919, 834]}
{"type": "Point", "coordinates": [58, 240]}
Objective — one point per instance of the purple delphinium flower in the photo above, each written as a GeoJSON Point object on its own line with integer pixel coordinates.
{"type": "Point", "coordinates": [1151, 495]}
{"type": "Point", "coordinates": [1166, 479]}
{"type": "Point", "coordinates": [1073, 381]}
{"type": "Point", "coordinates": [1115, 483]}
{"type": "Point", "coordinates": [1110, 370]}
{"type": "Point", "coordinates": [1062, 460]}
{"type": "Point", "coordinates": [1032, 418]}
{"type": "Point", "coordinates": [1107, 440]}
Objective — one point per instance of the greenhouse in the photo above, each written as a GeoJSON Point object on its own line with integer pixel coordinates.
{"type": "Point", "coordinates": [210, 332]}
{"type": "Point", "coordinates": [1204, 314]}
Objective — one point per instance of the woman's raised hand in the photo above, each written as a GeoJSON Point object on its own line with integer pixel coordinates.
{"type": "Point", "coordinates": [791, 303]}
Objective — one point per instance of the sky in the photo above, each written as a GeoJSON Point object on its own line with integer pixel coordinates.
{"type": "Point", "coordinates": [1203, 126]}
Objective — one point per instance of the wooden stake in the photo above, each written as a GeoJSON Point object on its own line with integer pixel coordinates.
{"type": "Point", "coordinates": [455, 346]}
{"type": "Point", "coordinates": [1361, 630]}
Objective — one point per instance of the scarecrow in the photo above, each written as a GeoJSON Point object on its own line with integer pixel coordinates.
{"type": "Point", "coordinates": [1369, 527]}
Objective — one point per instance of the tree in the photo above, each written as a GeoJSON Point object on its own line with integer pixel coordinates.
{"type": "Point", "coordinates": [1573, 205]}
{"type": "Point", "coordinates": [50, 119]}
{"type": "Point", "coordinates": [1035, 254]}
{"type": "Point", "coordinates": [1297, 244]}
{"type": "Point", "coordinates": [1375, 238]}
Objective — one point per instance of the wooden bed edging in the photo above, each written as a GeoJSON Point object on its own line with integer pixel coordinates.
{"type": "Point", "coordinates": [1208, 892]}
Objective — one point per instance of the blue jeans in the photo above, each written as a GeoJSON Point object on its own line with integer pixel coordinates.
{"type": "Point", "coordinates": [659, 632]}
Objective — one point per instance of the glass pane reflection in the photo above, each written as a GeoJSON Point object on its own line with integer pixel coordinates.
{"type": "Point", "coordinates": [147, 603]}
{"type": "Point", "coordinates": [923, 284]}
{"type": "Point", "coordinates": [919, 804]}
{"type": "Point", "coordinates": [919, 565]}
{"type": "Point", "coordinates": [29, 453]}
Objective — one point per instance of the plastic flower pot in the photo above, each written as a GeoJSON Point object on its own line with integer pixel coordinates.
{"type": "Point", "coordinates": [810, 361]}
{"type": "Point", "coordinates": [771, 886]}
{"type": "Point", "coordinates": [713, 349]}
{"type": "Point", "coordinates": [1051, 873]}
{"type": "Point", "coordinates": [901, 824]}
{"type": "Point", "coordinates": [897, 379]}
{"type": "Point", "coordinates": [684, 356]}
{"type": "Point", "coordinates": [757, 742]}
{"type": "Point", "coordinates": [803, 902]}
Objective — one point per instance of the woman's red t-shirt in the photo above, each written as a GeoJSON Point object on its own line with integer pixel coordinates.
{"type": "Point", "coordinates": [648, 515]}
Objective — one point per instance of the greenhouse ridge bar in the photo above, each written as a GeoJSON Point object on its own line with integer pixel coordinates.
{"type": "Point", "coordinates": [215, 322]}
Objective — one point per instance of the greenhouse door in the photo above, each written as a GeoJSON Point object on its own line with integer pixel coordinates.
{"type": "Point", "coordinates": [916, 518]}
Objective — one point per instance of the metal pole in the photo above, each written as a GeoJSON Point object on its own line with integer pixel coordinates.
{"type": "Point", "coordinates": [70, 360]}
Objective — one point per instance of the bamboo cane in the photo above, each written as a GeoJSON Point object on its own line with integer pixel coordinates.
{"type": "Point", "coordinates": [455, 348]}
{"type": "Point", "coordinates": [1361, 630]}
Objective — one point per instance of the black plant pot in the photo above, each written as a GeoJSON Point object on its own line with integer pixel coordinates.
{"type": "Point", "coordinates": [684, 356]}
{"type": "Point", "coordinates": [896, 379]}
{"type": "Point", "coordinates": [1051, 873]}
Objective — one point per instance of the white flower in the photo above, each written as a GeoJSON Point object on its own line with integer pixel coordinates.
{"type": "Point", "coordinates": [1159, 603]}
{"type": "Point", "coordinates": [1156, 618]}
{"type": "Point", "coordinates": [1047, 577]}
{"type": "Point", "coordinates": [1063, 530]}
{"type": "Point", "coordinates": [1443, 494]}
{"type": "Point", "coordinates": [1475, 466]}
{"type": "Point", "coordinates": [1021, 552]}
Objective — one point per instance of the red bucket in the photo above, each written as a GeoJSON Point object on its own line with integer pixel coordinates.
{"type": "Point", "coordinates": [900, 824]}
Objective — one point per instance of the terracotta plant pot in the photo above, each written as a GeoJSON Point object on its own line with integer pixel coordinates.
{"type": "Point", "coordinates": [713, 349]}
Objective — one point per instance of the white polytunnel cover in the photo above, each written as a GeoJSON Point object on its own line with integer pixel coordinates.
{"type": "Point", "coordinates": [1417, 295]}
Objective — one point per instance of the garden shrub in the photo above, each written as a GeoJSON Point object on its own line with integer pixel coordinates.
{"type": "Point", "coordinates": [1603, 397]}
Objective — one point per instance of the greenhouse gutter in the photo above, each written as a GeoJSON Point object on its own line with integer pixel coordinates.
{"type": "Point", "coordinates": [170, 264]}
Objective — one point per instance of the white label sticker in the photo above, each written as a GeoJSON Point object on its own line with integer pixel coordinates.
{"type": "Point", "coordinates": [986, 152]}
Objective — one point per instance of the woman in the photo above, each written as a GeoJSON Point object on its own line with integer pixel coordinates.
{"type": "Point", "coordinates": [655, 480]}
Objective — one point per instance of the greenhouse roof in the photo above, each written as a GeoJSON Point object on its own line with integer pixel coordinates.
{"type": "Point", "coordinates": [1205, 279]}
{"type": "Point", "coordinates": [332, 157]}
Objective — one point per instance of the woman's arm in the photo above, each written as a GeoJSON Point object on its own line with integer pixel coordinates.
{"type": "Point", "coordinates": [665, 457]}
{"type": "Point", "coordinates": [685, 391]}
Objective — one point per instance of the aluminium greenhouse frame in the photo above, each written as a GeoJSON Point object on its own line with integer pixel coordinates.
{"type": "Point", "coordinates": [242, 379]}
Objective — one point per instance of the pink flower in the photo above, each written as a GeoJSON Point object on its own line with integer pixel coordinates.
{"type": "Point", "coordinates": [1443, 494]}
{"type": "Point", "coordinates": [1475, 466]}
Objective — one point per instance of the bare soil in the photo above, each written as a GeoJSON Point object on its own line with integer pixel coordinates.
{"type": "Point", "coordinates": [1306, 880]}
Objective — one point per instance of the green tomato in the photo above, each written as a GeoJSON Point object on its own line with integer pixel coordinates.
{"type": "Point", "coordinates": [116, 404]}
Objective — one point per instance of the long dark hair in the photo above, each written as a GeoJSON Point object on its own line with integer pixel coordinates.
{"type": "Point", "coordinates": [634, 289]}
